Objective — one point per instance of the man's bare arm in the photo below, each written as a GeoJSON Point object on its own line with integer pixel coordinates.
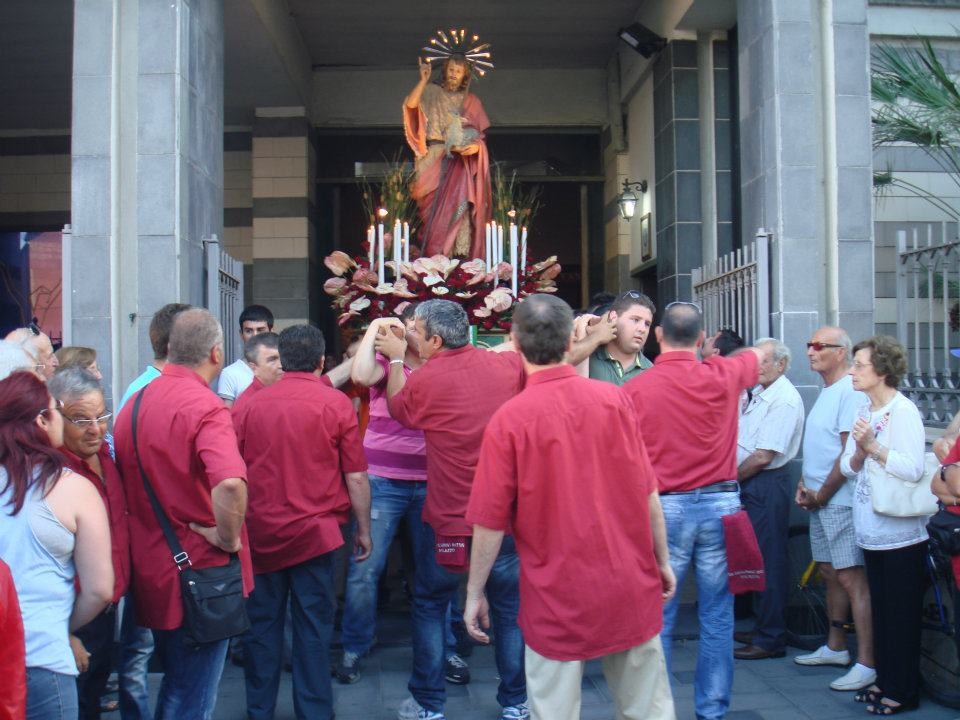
{"type": "Point", "coordinates": [358, 488]}
{"type": "Point", "coordinates": [229, 499]}
{"type": "Point", "coordinates": [486, 547]}
{"type": "Point", "coordinates": [658, 528]}
{"type": "Point", "coordinates": [756, 462]}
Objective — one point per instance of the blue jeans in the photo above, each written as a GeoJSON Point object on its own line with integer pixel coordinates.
{"type": "Point", "coordinates": [434, 588]}
{"type": "Point", "coordinates": [51, 695]}
{"type": "Point", "coordinates": [767, 498]}
{"type": "Point", "coordinates": [191, 676]}
{"type": "Point", "coordinates": [136, 647]}
{"type": "Point", "coordinates": [309, 585]}
{"type": "Point", "coordinates": [695, 536]}
{"type": "Point", "coordinates": [390, 502]}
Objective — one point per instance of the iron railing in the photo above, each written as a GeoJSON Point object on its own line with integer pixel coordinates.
{"type": "Point", "coordinates": [224, 287]}
{"type": "Point", "coordinates": [733, 291]}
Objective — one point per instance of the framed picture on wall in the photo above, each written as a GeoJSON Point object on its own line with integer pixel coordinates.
{"type": "Point", "coordinates": [646, 242]}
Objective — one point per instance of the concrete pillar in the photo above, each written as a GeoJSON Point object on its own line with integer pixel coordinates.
{"type": "Point", "coordinates": [676, 109]}
{"type": "Point", "coordinates": [147, 168]}
{"type": "Point", "coordinates": [806, 162]}
{"type": "Point", "coordinates": [616, 230]}
{"type": "Point", "coordinates": [284, 236]}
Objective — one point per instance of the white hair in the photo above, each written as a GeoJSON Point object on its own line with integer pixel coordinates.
{"type": "Point", "coordinates": [780, 351]}
{"type": "Point", "coordinates": [14, 357]}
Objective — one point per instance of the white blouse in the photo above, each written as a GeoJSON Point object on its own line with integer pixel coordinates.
{"type": "Point", "coordinates": [899, 428]}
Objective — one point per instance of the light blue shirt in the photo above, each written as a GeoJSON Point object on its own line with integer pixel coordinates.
{"type": "Point", "coordinates": [833, 413]}
{"type": "Point", "coordinates": [144, 379]}
{"type": "Point", "coordinates": [43, 574]}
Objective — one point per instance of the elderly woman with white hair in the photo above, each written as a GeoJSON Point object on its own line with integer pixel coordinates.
{"type": "Point", "coordinates": [85, 419]}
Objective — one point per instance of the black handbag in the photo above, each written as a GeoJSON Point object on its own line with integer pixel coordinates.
{"type": "Point", "coordinates": [944, 531]}
{"type": "Point", "coordinates": [213, 605]}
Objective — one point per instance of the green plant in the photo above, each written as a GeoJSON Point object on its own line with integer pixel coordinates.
{"type": "Point", "coordinates": [510, 195]}
{"type": "Point", "coordinates": [391, 192]}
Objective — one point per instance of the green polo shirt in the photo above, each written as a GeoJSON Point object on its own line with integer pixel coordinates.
{"type": "Point", "coordinates": [603, 367]}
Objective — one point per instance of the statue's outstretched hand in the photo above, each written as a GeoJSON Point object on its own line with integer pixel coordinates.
{"type": "Point", "coordinates": [425, 69]}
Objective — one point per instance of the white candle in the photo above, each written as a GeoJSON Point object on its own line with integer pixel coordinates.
{"type": "Point", "coordinates": [513, 259]}
{"type": "Point", "coordinates": [486, 234]}
{"type": "Point", "coordinates": [406, 242]}
{"type": "Point", "coordinates": [397, 240]}
{"type": "Point", "coordinates": [371, 241]}
{"type": "Point", "coordinates": [380, 278]}
{"type": "Point", "coordinates": [523, 252]}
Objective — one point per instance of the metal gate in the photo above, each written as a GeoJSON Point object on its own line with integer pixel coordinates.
{"type": "Point", "coordinates": [928, 317]}
{"type": "Point", "coordinates": [224, 284]}
{"type": "Point", "coordinates": [734, 290]}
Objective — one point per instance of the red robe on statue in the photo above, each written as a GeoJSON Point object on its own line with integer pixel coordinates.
{"type": "Point", "coordinates": [450, 191]}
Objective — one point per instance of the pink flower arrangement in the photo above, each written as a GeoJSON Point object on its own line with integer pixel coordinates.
{"type": "Point", "coordinates": [488, 303]}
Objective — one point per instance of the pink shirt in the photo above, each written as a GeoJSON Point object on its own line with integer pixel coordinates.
{"type": "Point", "coordinates": [393, 451]}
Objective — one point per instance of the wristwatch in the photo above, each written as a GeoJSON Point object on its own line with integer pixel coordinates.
{"type": "Point", "coordinates": [875, 455]}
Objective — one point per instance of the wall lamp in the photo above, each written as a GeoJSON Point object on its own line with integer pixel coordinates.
{"type": "Point", "coordinates": [628, 198]}
{"type": "Point", "coordinates": [642, 39]}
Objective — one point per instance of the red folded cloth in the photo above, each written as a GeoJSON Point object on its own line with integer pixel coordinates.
{"type": "Point", "coordinates": [744, 562]}
{"type": "Point", "coordinates": [453, 553]}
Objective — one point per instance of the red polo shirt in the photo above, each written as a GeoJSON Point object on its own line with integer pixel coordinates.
{"type": "Point", "coordinates": [298, 437]}
{"type": "Point", "coordinates": [244, 398]}
{"type": "Point", "coordinates": [563, 464]}
{"type": "Point", "coordinates": [452, 398]}
{"type": "Point", "coordinates": [688, 410]}
{"type": "Point", "coordinates": [188, 447]}
{"type": "Point", "coordinates": [110, 488]}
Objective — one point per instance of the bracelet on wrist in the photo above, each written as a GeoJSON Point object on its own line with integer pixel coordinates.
{"type": "Point", "coordinates": [398, 361]}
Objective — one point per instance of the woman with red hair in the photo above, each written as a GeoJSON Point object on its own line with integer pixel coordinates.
{"type": "Point", "coordinates": [53, 530]}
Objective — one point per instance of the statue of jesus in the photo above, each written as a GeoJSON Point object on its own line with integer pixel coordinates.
{"type": "Point", "coordinates": [445, 125]}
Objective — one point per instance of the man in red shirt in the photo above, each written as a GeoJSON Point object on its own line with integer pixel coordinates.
{"type": "Point", "coordinates": [85, 419]}
{"type": "Point", "coordinates": [588, 518]}
{"type": "Point", "coordinates": [305, 462]}
{"type": "Point", "coordinates": [451, 398]}
{"type": "Point", "coordinates": [263, 358]}
{"type": "Point", "coordinates": [688, 411]}
{"type": "Point", "coordinates": [189, 453]}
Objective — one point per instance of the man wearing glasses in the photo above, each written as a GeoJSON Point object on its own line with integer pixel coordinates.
{"type": "Point", "coordinates": [687, 409]}
{"type": "Point", "coordinates": [85, 418]}
{"type": "Point", "coordinates": [828, 496]}
{"type": "Point", "coordinates": [615, 346]}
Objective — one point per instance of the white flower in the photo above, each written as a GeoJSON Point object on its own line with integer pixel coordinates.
{"type": "Point", "coordinates": [360, 304]}
{"type": "Point", "coordinates": [440, 290]}
{"type": "Point", "coordinates": [431, 280]}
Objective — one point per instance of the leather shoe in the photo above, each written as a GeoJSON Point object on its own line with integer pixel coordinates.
{"type": "Point", "coordinates": [752, 652]}
{"type": "Point", "coordinates": [743, 636]}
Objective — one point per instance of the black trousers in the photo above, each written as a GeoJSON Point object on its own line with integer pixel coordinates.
{"type": "Point", "coordinates": [896, 579]}
{"type": "Point", "coordinates": [97, 637]}
{"type": "Point", "coordinates": [766, 498]}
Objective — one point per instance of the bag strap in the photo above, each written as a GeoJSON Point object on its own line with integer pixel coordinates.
{"type": "Point", "coordinates": [180, 556]}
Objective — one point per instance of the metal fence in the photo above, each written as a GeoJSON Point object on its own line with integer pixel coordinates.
{"type": "Point", "coordinates": [928, 317]}
{"type": "Point", "coordinates": [224, 286]}
{"type": "Point", "coordinates": [734, 290]}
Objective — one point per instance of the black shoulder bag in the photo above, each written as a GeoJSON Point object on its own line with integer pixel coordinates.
{"type": "Point", "coordinates": [213, 604]}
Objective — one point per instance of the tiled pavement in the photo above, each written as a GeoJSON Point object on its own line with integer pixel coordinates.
{"type": "Point", "coordinates": [763, 690]}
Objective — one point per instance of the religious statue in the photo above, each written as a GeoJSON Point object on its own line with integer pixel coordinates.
{"type": "Point", "coordinates": [445, 125]}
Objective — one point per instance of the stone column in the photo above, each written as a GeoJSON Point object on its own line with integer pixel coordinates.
{"type": "Point", "coordinates": [677, 151]}
{"type": "Point", "coordinates": [147, 168]}
{"type": "Point", "coordinates": [806, 164]}
{"type": "Point", "coordinates": [284, 258]}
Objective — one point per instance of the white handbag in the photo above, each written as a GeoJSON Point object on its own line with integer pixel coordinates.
{"type": "Point", "coordinates": [902, 498]}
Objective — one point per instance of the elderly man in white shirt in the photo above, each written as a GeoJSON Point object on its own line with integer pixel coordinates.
{"type": "Point", "coordinates": [769, 437]}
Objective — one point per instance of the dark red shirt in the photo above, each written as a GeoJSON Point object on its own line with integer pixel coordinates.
{"type": "Point", "coordinates": [298, 437]}
{"type": "Point", "coordinates": [563, 465]}
{"type": "Point", "coordinates": [688, 411]}
{"type": "Point", "coordinates": [110, 487]}
{"type": "Point", "coordinates": [188, 447]}
{"type": "Point", "coordinates": [452, 398]}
